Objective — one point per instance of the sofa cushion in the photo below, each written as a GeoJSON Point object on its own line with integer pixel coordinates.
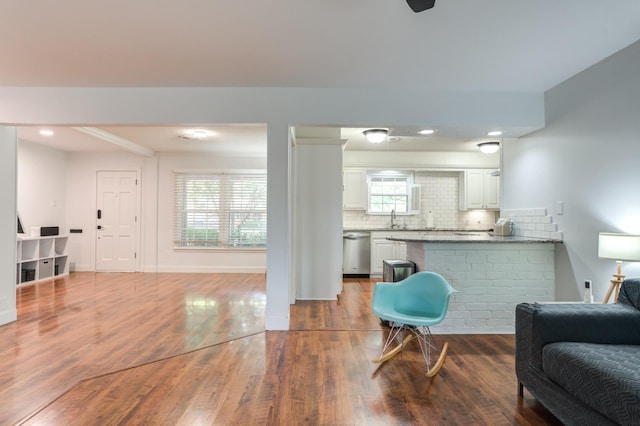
{"type": "Point", "coordinates": [605, 377]}
{"type": "Point", "coordinates": [630, 292]}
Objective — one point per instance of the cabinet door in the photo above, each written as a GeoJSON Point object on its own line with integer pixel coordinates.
{"type": "Point", "coordinates": [400, 250]}
{"type": "Point", "coordinates": [474, 186]}
{"type": "Point", "coordinates": [354, 195]}
{"type": "Point", "coordinates": [491, 190]}
{"type": "Point", "coordinates": [381, 249]}
{"type": "Point", "coordinates": [479, 190]}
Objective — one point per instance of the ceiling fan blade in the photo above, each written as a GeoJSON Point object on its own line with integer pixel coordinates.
{"type": "Point", "coordinates": [420, 5]}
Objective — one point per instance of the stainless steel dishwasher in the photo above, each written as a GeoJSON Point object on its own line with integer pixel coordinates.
{"type": "Point", "coordinates": [356, 253]}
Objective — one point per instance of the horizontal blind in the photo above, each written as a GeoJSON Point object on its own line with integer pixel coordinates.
{"type": "Point", "coordinates": [245, 210]}
{"type": "Point", "coordinates": [220, 210]}
{"type": "Point", "coordinates": [388, 193]}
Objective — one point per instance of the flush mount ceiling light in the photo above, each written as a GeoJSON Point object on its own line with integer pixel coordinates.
{"type": "Point", "coordinates": [195, 135]}
{"type": "Point", "coordinates": [489, 147]}
{"type": "Point", "coordinates": [494, 133]}
{"type": "Point", "coordinates": [376, 135]}
{"type": "Point", "coordinates": [420, 5]}
{"type": "Point", "coordinates": [46, 132]}
{"type": "Point", "coordinates": [427, 132]}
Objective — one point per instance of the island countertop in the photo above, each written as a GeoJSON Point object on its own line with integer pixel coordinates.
{"type": "Point", "coordinates": [464, 237]}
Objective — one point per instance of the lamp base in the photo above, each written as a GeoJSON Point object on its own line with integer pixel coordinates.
{"type": "Point", "coordinates": [614, 287]}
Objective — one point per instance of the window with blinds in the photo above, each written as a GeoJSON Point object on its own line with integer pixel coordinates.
{"type": "Point", "coordinates": [226, 210]}
{"type": "Point", "coordinates": [389, 191]}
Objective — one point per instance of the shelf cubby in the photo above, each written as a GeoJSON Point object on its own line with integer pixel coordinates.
{"type": "Point", "coordinates": [41, 258]}
{"type": "Point", "coordinates": [61, 246]}
{"type": "Point", "coordinates": [28, 271]}
{"type": "Point", "coordinates": [29, 249]}
{"type": "Point", "coordinates": [60, 266]}
{"type": "Point", "coordinates": [45, 247]}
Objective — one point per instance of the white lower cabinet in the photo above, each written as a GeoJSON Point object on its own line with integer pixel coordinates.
{"type": "Point", "coordinates": [41, 258]}
{"type": "Point", "coordinates": [383, 249]}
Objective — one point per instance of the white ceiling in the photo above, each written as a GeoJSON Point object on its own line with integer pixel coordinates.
{"type": "Point", "coordinates": [232, 139]}
{"type": "Point", "coordinates": [459, 45]}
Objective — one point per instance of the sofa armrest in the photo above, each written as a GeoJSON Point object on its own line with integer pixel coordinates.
{"type": "Point", "coordinates": [540, 324]}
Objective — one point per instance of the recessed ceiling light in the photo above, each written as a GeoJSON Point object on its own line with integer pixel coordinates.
{"type": "Point", "coordinates": [195, 135]}
{"type": "Point", "coordinates": [494, 133]}
{"type": "Point", "coordinates": [46, 132]}
{"type": "Point", "coordinates": [427, 132]}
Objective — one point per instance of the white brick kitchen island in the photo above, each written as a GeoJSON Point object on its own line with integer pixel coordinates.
{"type": "Point", "coordinates": [492, 275]}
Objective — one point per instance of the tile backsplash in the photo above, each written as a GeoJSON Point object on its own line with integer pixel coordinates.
{"type": "Point", "coordinates": [439, 196]}
{"type": "Point", "coordinates": [533, 223]}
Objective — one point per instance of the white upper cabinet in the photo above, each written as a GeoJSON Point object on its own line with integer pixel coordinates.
{"type": "Point", "coordinates": [354, 196]}
{"type": "Point", "coordinates": [491, 190]}
{"type": "Point", "coordinates": [479, 189]}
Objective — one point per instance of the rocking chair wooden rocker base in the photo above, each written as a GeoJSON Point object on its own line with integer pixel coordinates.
{"type": "Point", "coordinates": [410, 306]}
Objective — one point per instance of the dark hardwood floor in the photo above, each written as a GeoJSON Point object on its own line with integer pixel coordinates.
{"type": "Point", "coordinates": [190, 349]}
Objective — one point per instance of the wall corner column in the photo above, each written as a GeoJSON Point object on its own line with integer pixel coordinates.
{"type": "Point", "coordinates": [278, 226]}
{"type": "Point", "coordinates": [8, 225]}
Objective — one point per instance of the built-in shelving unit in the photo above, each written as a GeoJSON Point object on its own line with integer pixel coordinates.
{"type": "Point", "coordinates": [41, 258]}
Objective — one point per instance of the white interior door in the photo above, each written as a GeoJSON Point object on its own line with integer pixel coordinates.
{"type": "Point", "coordinates": [117, 199]}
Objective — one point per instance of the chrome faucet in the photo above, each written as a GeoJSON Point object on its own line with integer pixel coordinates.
{"type": "Point", "coordinates": [393, 217]}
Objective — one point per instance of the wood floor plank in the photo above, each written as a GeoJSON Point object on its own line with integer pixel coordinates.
{"type": "Point", "coordinates": [186, 349]}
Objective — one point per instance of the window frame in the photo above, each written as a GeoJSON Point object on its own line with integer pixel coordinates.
{"type": "Point", "coordinates": [220, 209]}
{"type": "Point", "coordinates": [408, 178]}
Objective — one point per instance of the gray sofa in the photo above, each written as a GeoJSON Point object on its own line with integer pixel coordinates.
{"type": "Point", "coordinates": [582, 361]}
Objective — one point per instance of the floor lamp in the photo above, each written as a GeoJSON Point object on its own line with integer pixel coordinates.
{"type": "Point", "coordinates": [618, 247]}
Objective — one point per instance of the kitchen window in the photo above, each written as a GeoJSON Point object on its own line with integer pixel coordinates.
{"type": "Point", "coordinates": [389, 190]}
{"type": "Point", "coordinates": [220, 210]}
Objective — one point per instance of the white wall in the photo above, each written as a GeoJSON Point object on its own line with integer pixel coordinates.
{"type": "Point", "coordinates": [439, 195]}
{"type": "Point", "coordinates": [438, 173]}
{"type": "Point", "coordinates": [421, 160]}
{"type": "Point", "coordinates": [170, 260]}
{"type": "Point", "coordinates": [318, 201]}
{"type": "Point", "coordinates": [588, 156]}
{"type": "Point", "coordinates": [56, 188]}
{"type": "Point", "coordinates": [280, 108]}
{"type": "Point", "coordinates": [41, 186]}
{"type": "Point", "coordinates": [81, 181]}
{"type": "Point", "coordinates": [69, 179]}
{"type": "Point", "coordinates": [8, 224]}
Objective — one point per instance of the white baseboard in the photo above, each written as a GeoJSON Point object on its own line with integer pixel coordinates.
{"type": "Point", "coordinates": [317, 298]}
{"type": "Point", "coordinates": [276, 323]}
{"type": "Point", "coordinates": [10, 315]}
{"type": "Point", "coordinates": [214, 269]}
{"type": "Point", "coordinates": [81, 268]}
{"type": "Point", "coordinates": [186, 269]}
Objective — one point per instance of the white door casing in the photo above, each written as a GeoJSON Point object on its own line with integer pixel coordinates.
{"type": "Point", "coordinates": [116, 219]}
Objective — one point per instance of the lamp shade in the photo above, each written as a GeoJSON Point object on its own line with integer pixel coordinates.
{"type": "Point", "coordinates": [622, 247]}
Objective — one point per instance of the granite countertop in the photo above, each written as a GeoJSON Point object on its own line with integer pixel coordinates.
{"type": "Point", "coordinates": [465, 237]}
{"type": "Point", "coordinates": [425, 230]}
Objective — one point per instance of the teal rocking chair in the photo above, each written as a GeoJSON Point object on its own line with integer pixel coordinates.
{"type": "Point", "coordinates": [410, 307]}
